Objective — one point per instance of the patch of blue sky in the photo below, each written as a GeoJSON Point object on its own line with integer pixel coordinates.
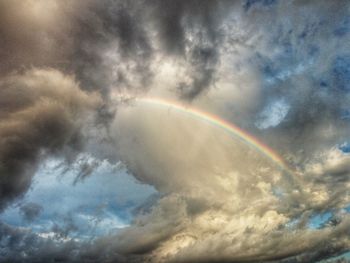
{"type": "Point", "coordinates": [290, 59]}
{"type": "Point", "coordinates": [272, 114]}
{"type": "Point", "coordinates": [286, 73]}
{"type": "Point", "coordinates": [102, 202]}
{"type": "Point", "coordinates": [345, 147]}
{"type": "Point", "coordinates": [318, 220]}
{"type": "Point", "coordinates": [286, 63]}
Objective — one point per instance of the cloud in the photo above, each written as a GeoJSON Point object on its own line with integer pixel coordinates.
{"type": "Point", "coordinates": [40, 111]}
{"type": "Point", "coordinates": [219, 204]}
{"type": "Point", "coordinates": [191, 31]}
{"type": "Point", "coordinates": [184, 160]}
{"type": "Point", "coordinates": [31, 211]}
{"type": "Point", "coordinates": [219, 200]}
{"type": "Point", "coordinates": [32, 36]}
{"type": "Point", "coordinates": [273, 114]}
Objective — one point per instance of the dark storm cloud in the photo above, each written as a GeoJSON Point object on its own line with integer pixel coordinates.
{"type": "Point", "coordinates": [39, 111]}
{"type": "Point", "coordinates": [204, 60]}
{"type": "Point", "coordinates": [174, 18]}
{"type": "Point", "coordinates": [112, 44]}
{"type": "Point", "coordinates": [19, 245]}
{"type": "Point", "coordinates": [40, 107]}
{"type": "Point", "coordinates": [22, 245]}
{"type": "Point", "coordinates": [114, 29]}
{"type": "Point", "coordinates": [132, 33]}
{"type": "Point", "coordinates": [190, 30]}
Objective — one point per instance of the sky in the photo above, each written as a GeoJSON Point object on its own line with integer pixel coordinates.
{"type": "Point", "coordinates": [175, 131]}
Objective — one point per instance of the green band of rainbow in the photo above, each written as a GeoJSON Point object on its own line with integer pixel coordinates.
{"type": "Point", "coordinates": [221, 123]}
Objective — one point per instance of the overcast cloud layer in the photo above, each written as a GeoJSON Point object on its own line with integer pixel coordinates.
{"type": "Point", "coordinates": [69, 75]}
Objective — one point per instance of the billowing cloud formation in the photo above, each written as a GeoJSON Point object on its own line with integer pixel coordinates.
{"type": "Point", "coordinates": [220, 205]}
{"type": "Point", "coordinates": [39, 115]}
{"type": "Point", "coordinates": [279, 69]}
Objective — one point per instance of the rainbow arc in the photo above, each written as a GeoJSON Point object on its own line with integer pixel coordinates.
{"type": "Point", "coordinates": [222, 124]}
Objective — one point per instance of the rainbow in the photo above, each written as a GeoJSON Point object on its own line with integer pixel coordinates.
{"type": "Point", "coordinates": [222, 124]}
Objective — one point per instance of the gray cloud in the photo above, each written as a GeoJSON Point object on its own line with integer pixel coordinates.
{"type": "Point", "coordinates": [191, 31]}
{"type": "Point", "coordinates": [39, 111]}
{"type": "Point", "coordinates": [30, 211]}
